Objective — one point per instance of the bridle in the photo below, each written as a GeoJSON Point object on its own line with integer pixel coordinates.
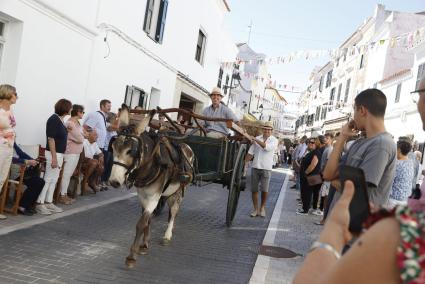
{"type": "Point", "coordinates": [135, 154]}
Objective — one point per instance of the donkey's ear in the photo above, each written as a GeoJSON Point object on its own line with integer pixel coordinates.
{"type": "Point", "coordinates": [141, 127]}
{"type": "Point", "coordinates": [124, 116]}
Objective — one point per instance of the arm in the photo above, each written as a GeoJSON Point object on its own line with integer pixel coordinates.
{"type": "Point", "coordinates": [269, 145]}
{"type": "Point", "coordinates": [52, 147]}
{"type": "Point", "coordinates": [331, 170]}
{"type": "Point", "coordinates": [372, 259]}
{"type": "Point", "coordinates": [312, 165]}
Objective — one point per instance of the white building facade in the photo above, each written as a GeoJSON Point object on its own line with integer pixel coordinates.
{"type": "Point", "coordinates": [148, 53]}
{"type": "Point", "coordinates": [387, 65]}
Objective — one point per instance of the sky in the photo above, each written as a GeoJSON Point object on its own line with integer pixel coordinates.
{"type": "Point", "coordinates": [280, 27]}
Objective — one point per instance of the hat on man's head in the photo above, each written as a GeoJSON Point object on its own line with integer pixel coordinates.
{"type": "Point", "coordinates": [268, 125]}
{"type": "Point", "coordinates": [216, 90]}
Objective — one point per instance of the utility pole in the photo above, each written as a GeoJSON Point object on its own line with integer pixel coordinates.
{"type": "Point", "coordinates": [250, 29]}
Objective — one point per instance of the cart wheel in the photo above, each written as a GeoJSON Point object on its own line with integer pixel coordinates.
{"type": "Point", "coordinates": [235, 185]}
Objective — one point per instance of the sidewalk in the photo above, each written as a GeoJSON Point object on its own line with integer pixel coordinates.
{"type": "Point", "coordinates": [83, 203]}
{"type": "Point", "coordinates": [289, 231]}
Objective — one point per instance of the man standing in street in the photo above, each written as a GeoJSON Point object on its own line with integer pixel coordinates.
{"type": "Point", "coordinates": [326, 192]}
{"type": "Point", "coordinates": [375, 154]}
{"type": "Point", "coordinates": [97, 121]}
{"type": "Point", "coordinates": [217, 109]}
{"type": "Point", "coordinates": [262, 149]}
{"type": "Point", "coordinates": [298, 155]}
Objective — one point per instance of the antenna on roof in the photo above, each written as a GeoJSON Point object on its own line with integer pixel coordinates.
{"type": "Point", "coordinates": [250, 29]}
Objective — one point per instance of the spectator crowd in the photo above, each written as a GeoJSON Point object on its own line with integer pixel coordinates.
{"type": "Point", "coordinates": [74, 147]}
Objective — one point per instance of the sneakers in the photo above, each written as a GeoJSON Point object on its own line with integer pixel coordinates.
{"type": "Point", "coordinates": [254, 213]}
{"type": "Point", "coordinates": [317, 212]}
{"type": "Point", "coordinates": [300, 211]}
{"type": "Point", "coordinates": [53, 208]}
{"type": "Point", "coordinates": [3, 217]}
{"type": "Point", "coordinates": [41, 209]}
{"type": "Point", "coordinates": [263, 212]}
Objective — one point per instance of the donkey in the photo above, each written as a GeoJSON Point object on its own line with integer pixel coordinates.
{"type": "Point", "coordinates": [149, 164]}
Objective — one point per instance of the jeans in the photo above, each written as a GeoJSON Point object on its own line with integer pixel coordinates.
{"type": "Point", "coordinates": [298, 182]}
{"type": "Point", "coordinates": [50, 177]}
{"type": "Point", "coordinates": [108, 159]}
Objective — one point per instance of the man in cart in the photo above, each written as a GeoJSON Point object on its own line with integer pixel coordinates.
{"type": "Point", "coordinates": [262, 149]}
{"type": "Point", "coordinates": [217, 109]}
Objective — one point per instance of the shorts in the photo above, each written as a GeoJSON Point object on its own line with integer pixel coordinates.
{"type": "Point", "coordinates": [260, 178]}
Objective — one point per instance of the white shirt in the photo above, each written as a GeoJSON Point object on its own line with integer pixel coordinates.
{"type": "Point", "coordinates": [263, 158]}
{"type": "Point", "coordinates": [91, 149]}
{"type": "Point", "coordinates": [96, 120]}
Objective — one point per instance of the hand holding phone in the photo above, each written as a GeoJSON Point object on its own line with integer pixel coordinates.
{"type": "Point", "coordinates": [359, 206]}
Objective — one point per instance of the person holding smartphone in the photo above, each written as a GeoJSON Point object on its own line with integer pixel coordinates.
{"type": "Point", "coordinates": [374, 153]}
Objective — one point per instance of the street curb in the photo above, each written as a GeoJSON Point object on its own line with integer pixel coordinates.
{"type": "Point", "coordinates": [30, 223]}
{"type": "Point", "coordinates": [262, 263]}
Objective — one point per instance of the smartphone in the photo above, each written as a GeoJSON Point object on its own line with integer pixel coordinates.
{"type": "Point", "coordinates": [359, 207]}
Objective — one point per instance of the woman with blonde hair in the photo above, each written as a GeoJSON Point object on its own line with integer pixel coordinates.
{"type": "Point", "coordinates": [8, 97]}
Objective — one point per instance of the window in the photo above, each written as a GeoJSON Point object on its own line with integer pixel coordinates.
{"type": "Point", "coordinates": [155, 16]}
{"type": "Point", "coordinates": [329, 79]}
{"type": "Point", "coordinates": [397, 94]}
{"type": "Point", "coordinates": [321, 84]}
{"type": "Point", "coordinates": [338, 98]}
{"type": "Point", "coordinates": [135, 96]}
{"type": "Point", "coordinates": [227, 84]}
{"type": "Point", "coordinates": [332, 96]}
{"type": "Point", "coordinates": [316, 118]}
{"type": "Point", "coordinates": [220, 77]}
{"type": "Point", "coordinates": [421, 73]}
{"type": "Point", "coordinates": [347, 90]}
{"type": "Point", "coordinates": [200, 47]}
{"type": "Point", "coordinates": [324, 111]}
{"type": "Point", "coordinates": [361, 62]}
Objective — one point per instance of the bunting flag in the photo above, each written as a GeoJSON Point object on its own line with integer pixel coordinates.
{"type": "Point", "coordinates": [406, 40]}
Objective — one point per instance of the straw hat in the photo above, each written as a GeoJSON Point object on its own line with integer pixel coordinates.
{"type": "Point", "coordinates": [216, 90]}
{"type": "Point", "coordinates": [268, 125]}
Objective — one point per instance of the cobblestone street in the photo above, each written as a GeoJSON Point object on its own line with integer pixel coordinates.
{"type": "Point", "coordinates": [90, 247]}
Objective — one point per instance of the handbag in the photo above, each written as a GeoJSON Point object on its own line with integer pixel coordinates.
{"type": "Point", "coordinates": [314, 180]}
{"type": "Point", "coordinates": [32, 171]}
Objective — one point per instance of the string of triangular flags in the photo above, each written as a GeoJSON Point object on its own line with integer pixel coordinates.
{"type": "Point", "coordinates": [406, 40]}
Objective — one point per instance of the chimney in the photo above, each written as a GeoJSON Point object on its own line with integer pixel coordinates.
{"type": "Point", "coordinates": [378, 10]}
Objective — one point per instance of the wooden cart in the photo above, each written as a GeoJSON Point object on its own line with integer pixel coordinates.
{"type": "Point", "coordinates": [217, 160]}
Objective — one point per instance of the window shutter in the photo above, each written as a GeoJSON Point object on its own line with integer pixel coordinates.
{"type": "Point", "coordinates": [150, 4]}
{"type": "Point", "coordinates": [162, 15]}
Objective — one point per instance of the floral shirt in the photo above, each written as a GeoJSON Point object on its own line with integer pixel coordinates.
{"type": "Point", "coordinates": [411, 249]}
{"type": "Point", "coordinates": [402, 184]}
{"type": "Point", "coordinates": [7, 125]}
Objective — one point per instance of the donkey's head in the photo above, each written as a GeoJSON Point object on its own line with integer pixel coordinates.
{"type": "Point", "coordinates": [127, 147]}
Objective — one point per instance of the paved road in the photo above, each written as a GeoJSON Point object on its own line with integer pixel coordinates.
{"type": "Point", "coordinates": [90, 247]}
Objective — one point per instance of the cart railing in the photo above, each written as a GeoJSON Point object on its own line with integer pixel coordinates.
{"type": "Point", "coordinates": [196, 117]}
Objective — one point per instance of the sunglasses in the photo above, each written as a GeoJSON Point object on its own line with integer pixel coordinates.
{"type": "Point", "coordinates": [311, 142]}
{"type": "Point", "coordinates": [416, 94]}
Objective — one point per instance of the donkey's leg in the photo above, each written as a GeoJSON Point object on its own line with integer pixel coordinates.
{"type": "Point", "coordinates": [146, 237]}
{"type": "Point", "coordinates": [131, 258]}
{"type": "Point", "coordinates": [174, 203]}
